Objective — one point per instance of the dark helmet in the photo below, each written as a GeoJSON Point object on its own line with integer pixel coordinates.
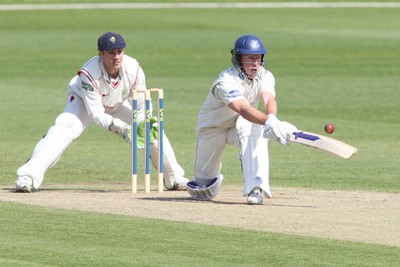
{"type": "Point", "coordinates": [247, 44]}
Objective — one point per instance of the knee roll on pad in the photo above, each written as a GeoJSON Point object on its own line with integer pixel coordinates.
{"type": "Point", "coordinates": [207, 192]}
{"type": "Point", "coordinates": [71, 122]}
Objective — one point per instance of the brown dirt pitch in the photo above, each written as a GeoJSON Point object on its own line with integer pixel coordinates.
{"type": "Point", "coordinates": [368, 217]}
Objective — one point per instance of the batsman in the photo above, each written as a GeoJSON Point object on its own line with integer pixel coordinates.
{"type": "Point", "coordinates": [230, 116]}
{"type": "Point", "coordinates": [99, 95]}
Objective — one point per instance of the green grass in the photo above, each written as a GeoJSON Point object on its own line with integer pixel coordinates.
{"type": "Point", "coordinates": [336, 65]}
{"type": "Point", "coordinates": [331, 65]}
{"type": "Point", "coordinates": [110, 240]}
{"type": "Point", "coordinates": [169, 1]}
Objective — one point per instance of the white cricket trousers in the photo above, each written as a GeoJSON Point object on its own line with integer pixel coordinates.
{"type": "Point", "coordinates": [70, 124]}
{"type": "Point", "coordinates": [253, 154]}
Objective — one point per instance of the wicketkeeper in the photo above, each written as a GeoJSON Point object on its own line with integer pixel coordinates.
{"type": "Point", "coordinates": [230, 116]}
{"type": "Point", "coordinates": [99, 94]}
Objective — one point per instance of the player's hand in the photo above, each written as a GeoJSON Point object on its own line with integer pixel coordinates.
{"type": "Point", "coordinates": [140, 135]}
{"type": "Point", "coordinates": [290, 128]}
{"type": "Point", "coordinates": [126, 133]}
{"type": "Point", "coordinates": [141, 132]}
{"type": "Point", "coordinates": [153, 129]}
{"type": "Point", "coordinates": [276, 130]}
{"type": "Point", "coordinates": [121, 129]}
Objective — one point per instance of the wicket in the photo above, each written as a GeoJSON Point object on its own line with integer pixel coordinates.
{"type": "Point", "coordinates": [135, 123]}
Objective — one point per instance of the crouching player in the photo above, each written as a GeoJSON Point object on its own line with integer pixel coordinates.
{"type": "Point", "coordinates": [229, 115]}
{"type": "Point", "coordinates": [99, 94]}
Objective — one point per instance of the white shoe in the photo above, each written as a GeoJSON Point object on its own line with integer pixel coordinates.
{"type": "Point", "coordinates": [180, 184]}
{"type": "Point", "coordinates": [23, 184]}
{"type": "Point", "coordinates": [255, 197]}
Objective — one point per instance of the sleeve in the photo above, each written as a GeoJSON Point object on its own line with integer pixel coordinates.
{"type": "Point", "coordinates": [227, 91]}
{"type": "Point", "coordinates": [140, 81]}
{"type": "Point", "coordinates": [93, 102]}
{"type": "Point", "coordinates": [268, 83]}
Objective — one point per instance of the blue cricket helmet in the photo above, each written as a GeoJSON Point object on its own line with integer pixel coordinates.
{"type": "Point", "coordinates": [247, 44]}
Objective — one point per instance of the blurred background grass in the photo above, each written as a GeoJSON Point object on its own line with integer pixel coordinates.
{"type": "Point", "coordinates": [331, 65]}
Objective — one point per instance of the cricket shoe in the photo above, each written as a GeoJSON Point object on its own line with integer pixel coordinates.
{"type": "Point", "coordinates": [255, 197]}
{"type": "Point", "coordinates": [23, 184]}
{"type": "Point", "coordinates": [180, 184]}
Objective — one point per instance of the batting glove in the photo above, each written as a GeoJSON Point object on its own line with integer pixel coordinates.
{"type": "Point", "coordinates": [276, 130]}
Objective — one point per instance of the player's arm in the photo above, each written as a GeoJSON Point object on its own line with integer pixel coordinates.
{"type": "Point", "coordinates": [244, 109]}
{"type": "Point", "coordinates": [269, 103]}
{"type": "Point", "coordinates": [95, 109]}
{"type": "Point", "coordinates": [93, 103]}
{"type": "Point", "coordinates": [274, 128]}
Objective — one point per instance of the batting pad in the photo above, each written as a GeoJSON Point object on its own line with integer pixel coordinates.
{"type": "Point", "coordinates": [255, 164]}
{"type": "Point", "coordinates": [253, 156]}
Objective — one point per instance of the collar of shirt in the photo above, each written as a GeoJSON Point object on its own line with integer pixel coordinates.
{"type": "Point", "coordinates": [107, 77]}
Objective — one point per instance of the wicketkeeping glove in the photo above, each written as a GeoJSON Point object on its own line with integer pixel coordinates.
{"type": "Point", "coordinates": [141, 132]}
{"type": "Point", "coordinates": [276, 130]}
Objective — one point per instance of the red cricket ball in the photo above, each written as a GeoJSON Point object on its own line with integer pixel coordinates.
{"type": "Point", "coordinates": [329, 128]}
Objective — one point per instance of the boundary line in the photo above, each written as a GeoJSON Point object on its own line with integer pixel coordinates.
{"type": "Point", "coordinates": [201, 5]}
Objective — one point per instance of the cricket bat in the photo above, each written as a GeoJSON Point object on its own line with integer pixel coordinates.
{"type": "Point", "coordinates": [324, 143]}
